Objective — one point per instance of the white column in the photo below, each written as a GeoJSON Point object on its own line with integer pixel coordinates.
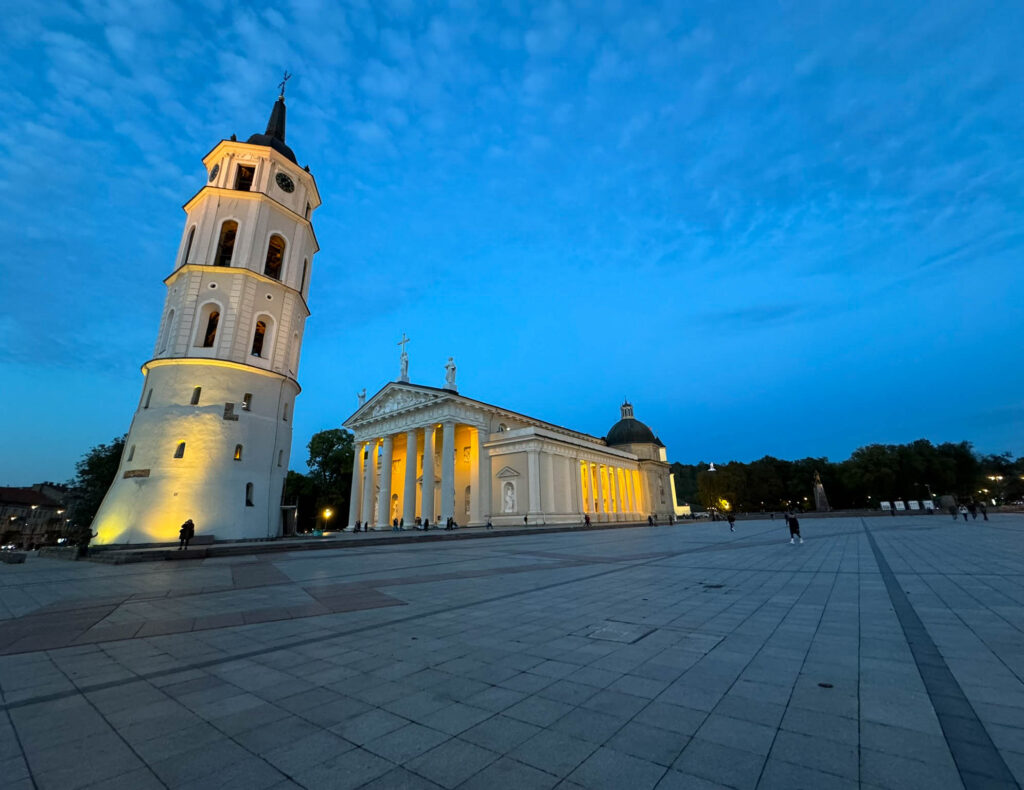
{"type": "Point", "coordinates": [357, 485]}
{"type": "Point", "coordinates": [583, 483]}
{"type": "Point", "coordinates": [447, 471]}
{"type": "Point", "coordinates": [482, 484]}
{"type": "Point", "coordinates": [474, 477]}
{"type": "Point", "coordinates": [369, 482]}
{"type": "Point", "coordinates": [427, 507]}
{"type": "Point", "coordinates": [547, 474]}
{"type": "Point", "coordinates": [613, 499]}
{"type": "Point", "coordinates": [409, 491]}
{"type": "Point", "coordinates": [384, 498]}
{"type": "Point", "coordinates": [600, 490]}
{"type": "Point", "coordinates": [533, 480]}
{"type": "Point", "coordinates": [628, 475]}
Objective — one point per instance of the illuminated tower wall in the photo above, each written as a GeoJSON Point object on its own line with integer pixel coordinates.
{"type": "Point", "coordinates": [211, 435]}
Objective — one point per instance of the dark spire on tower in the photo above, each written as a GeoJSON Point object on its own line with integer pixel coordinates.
{"type": "Point", "coordinates": [274, 136]}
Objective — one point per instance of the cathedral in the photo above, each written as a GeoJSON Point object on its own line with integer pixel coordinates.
{"type": "Point", "coordinates": [430, 453]}
{"type": "Point", "coordinates": [210, 439]}
{"type": "Point", "coordinates": [211, 435]}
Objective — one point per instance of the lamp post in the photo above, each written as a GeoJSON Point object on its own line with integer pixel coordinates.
{"type": "Point", "coordinates": [327, 517]}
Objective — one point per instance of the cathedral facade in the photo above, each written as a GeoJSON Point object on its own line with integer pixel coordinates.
{"type": "Point", "coordinates": [211, 435]}
{"type": "Point", "coordinates": [430, 453]}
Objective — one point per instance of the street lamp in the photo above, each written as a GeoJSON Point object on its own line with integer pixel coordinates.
{"type": "Point", "coordinates": [327, 516]}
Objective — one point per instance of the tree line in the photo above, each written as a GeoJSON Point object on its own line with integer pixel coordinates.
{"type": "Point", "coordinates": [872, 474]}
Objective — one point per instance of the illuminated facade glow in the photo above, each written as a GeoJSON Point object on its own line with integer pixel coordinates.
{"type": "Point", "coordinates": [212, 431]}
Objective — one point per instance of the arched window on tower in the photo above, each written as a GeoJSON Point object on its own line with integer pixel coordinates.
{"type": "Point", "coordinates": [131, 453]}
{"type": "Point", "coordinates": [257, 338]}
{"type": "Point", "coordinates": [179, 452]}
{"type": "Point", "coordinates": [275, 257]}
{"type": "Point", "coordinates": [196, 392]}
{"type": "Point", "coordinates": [261, 336]}
{"type": "Point", "coordinates": [248, 495]}
{"type": "Point", "coordinates": [238, 452]}
{"type": "Point", "coordinates": [165, 334]}
{"type": "Point", "coordinates": [209, 319]}
{"type": "Point", "coordinates": [226, 245]}
{"type": "Point", "coordinates": [188, 244]}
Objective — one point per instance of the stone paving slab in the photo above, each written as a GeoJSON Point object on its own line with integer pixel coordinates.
{"type": "Point", "coordinates": [880, 653]}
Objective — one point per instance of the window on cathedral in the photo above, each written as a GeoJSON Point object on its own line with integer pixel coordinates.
{"type": "Point", "coordinates": [243, 177]}
{"type": "Point", "coordinates": [248, 494]}
{"type": "Point", "coordinates": [188, 244]}
{"type": "Point", "coordinates": [280, 457]}
{"type": "Point", "coordinates": [210, 336]}
{"type": "Point", "coordinates": [149, 397]}
{"type": "Point", "coordinates": [179, 452]}
{"type": "Point", "coordinates": [302, 282]}
{"type": "Point", "coordinates": [226, 245]}
{"type": "Point", "coordinates": [247, 401]}
{"type": "Point", "coordinates": [257, 338]}
{"type": "Point", "coordinates": [195, 395]}
{"type": "Point", "coordinates": [238, 452]}
{"type": "Point", "coordinates": [275, 257]}
{"type": "Point", "coordinates": [131, 453]}
{"type": "Point", "coordinates": [284, 413]}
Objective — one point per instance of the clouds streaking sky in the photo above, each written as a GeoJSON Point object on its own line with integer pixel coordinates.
{"type": "Point", "coordinates": [776, 228]}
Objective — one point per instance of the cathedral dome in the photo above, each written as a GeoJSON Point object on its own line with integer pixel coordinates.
{"type": "Point", "coordinates": [630, 430]}
{"type": "Point", "coordinates": [274, 136]}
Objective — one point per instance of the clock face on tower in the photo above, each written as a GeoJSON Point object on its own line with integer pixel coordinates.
{"type": "Point", "coordinates": [213, 171]}
{"type": "Point", "coordinates": [285, 182]}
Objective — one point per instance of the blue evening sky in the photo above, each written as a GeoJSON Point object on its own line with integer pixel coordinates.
{"type": "Point", "coordinates": [776, 227]}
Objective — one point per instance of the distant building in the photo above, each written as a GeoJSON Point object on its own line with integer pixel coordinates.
{"type": "Point", "coordinates": [32, 516]}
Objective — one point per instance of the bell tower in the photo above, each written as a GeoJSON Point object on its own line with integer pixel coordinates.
{"type": "Point", "coordinates": [211, 435]}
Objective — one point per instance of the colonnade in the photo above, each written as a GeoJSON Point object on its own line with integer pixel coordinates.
{"type": "Point", "coordinates": [610, 490]}
{"type": "Point", "coordinates": [422, 446]}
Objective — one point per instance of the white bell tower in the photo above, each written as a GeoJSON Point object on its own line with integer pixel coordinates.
{"type": "Point", "coordinates": [211, 436]}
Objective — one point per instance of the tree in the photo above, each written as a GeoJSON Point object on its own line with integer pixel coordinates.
{"type": "Point", "coordinates": [94, 474]}
{"type": "Point", "coordinates": [331, 453]}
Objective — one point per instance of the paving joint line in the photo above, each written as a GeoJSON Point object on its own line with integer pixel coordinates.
{"type": "Point", "coordinates": [941, 685]}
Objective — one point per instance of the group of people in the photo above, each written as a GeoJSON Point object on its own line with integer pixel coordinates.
{"type": "Point", "coordinates": [971, 509]}
{"type": "Point", "coordinates": [791, 521]}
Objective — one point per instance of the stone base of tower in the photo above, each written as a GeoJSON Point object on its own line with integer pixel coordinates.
{"type": "Point", "coordinates": [220, 461]}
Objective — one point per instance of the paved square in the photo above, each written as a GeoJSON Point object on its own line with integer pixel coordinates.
{"type": "Point", "coordinates": [883, 652]}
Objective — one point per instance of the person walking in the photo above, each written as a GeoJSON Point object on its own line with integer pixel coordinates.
{"type": "Point", "coordinates": [732, 522]}
{"type": "Point", "coordinates": [586, 520]}
{"type": "Point", "coordinates": [185, 534]}
{"type": "Point", "coordinates": [426, 524]}
{"type": "Point", "coordinates": [973, 510]}
{"type": "Point", "coordinates": [489, 524]}
{"type": "Point", "coordinates": [963, 512]}
{"type": "Point", "coordinates": [794, 528]}
{"type": "Point", "coordinates": [984, 510]}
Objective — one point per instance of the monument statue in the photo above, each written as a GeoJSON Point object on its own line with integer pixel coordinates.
{"type": "Point", "coordinates": [362, 397]}
{"type": "Point", "coordinates": [449, 376]}
{"type": "Point", "coordinates": [403, 374]}
{"type": "Point", "coordinates": [820, 500]}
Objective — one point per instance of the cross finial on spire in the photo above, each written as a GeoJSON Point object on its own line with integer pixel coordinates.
{"type": "Point", "coordinates": [403, 341]}
{"type": "Point", "coordinates": [287, 77]}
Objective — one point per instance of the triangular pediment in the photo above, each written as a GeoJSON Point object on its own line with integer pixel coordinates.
{"type": "Point", "coordinates": [507, 471]}
{"type": "Point", "coordinates": [392, 399]}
